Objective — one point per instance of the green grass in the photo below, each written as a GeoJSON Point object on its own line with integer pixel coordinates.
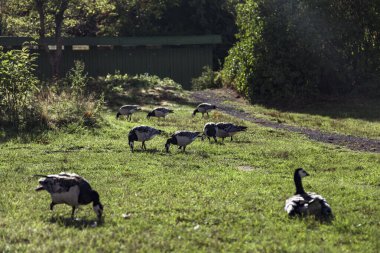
{"type": "Point", "coordinates": [200, 200]}
{"type": "Point", "coordinates": [357, 117]}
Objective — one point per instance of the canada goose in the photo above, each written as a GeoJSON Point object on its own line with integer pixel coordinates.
{"type": "Point", "coordinates": [210, 130]}
{"type": "Point", "coordinates": [228, 130]}
{"type": "Point", "coordinates": [70, 189]}
{"type": "Point", "coordinates": [128, 110]}
{"type": "Point", "coordinates": [306, 203]}
{"type": "Point", "coordinates": [159, 112]}
{"type": "Point", "coordinates": [143, 134]}
{"type": "Point", "coordinates": [204, 108]}
{"type": "Point", "coordinates": [182, 139]}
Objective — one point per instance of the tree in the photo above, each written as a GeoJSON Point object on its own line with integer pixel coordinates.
{"type": "Point", "coordinates": [290, 50]}
{"type": "Point", "coordinates": [56, 18]}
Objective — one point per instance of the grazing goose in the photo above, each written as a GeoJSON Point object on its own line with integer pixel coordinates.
{"type": "Point", "coordinates": [70, 189]}
{"type": "Point", "coordinates": [182, 139]}
{"type": "Point", "coordinates": [128, 110]}
{"type": "Point", "coordinates": [210, 130]}
{"type": "Point", "coordinates": [228, 130]}
{"type": "Point", "coordinates": [306, 203]}
{"type": "Point", "coordinates": [204, 108]}
{"type": "Point", "coordinates": [159, 112]}
{"type": "Point", "coordinates": [143, 134]}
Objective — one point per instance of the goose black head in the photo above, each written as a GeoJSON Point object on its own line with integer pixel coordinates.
{"type": "Point", "coordinates": [150, 114]}
{"type": "Point", "coordinates": [301, 173]}
{"type": "Point", "coordinates": [118, 114]}
{"type": "Point", "coordinates": [96, 205]}
{"type": "Point", "coordinates": [171, 140]}
{"type": "Point", "coordinates": [195, 112]}
{"type": "Point", "coordinates": [132, 137]}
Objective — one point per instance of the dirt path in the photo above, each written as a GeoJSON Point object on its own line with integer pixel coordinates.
{"type": "Point", "coordinates": [217, 97]}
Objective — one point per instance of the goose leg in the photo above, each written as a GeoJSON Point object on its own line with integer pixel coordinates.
{"type": "Point", "coordinates": [184, 147]}
{"type": "Point", "coordinates": [52, 204]}
{"type": "Point", "coordinates": [222, 139]}
{"type": "Point", "coordinates": [73, 212]}
{"type": "Point", "coordinates": [179, 147]}
{"type": "Point", "coordinates": [215, 139]}
{"type": "Point", "coordinates": [143, 145]}
{"type": "Point", "coordinates": [207, 115]}
{"type": "Point", "coordinates": [231, 138]}
{"type": "Point", "coordinates": [203, 114]}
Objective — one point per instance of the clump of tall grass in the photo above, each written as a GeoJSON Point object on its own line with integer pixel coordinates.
{"type": "Point", "coordinates": [67, 101]}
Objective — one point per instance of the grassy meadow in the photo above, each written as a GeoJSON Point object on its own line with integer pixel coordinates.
{"type": "Point", "coordinates": [356, 116]}
{"type": "Point", "coordinates": [224, 197]}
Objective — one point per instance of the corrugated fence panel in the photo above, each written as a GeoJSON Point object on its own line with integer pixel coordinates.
{"type": "Point", "coordinates": [178, 63]}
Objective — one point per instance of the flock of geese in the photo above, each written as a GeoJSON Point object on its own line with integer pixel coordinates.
{"type": "Point", "coordinates": [74, 190]}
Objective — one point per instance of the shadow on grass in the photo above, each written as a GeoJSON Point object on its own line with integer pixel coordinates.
{"type": "Point", "coordinates": [142, 94]}
{"type": "Point", "coordinates": [149, 151]}
{"type": "Point", "coordinates": [76, 223]}
{"type": "Point", "coordinates": [337, 108]}
{"type": "Point", "coordinates": [24, 136]}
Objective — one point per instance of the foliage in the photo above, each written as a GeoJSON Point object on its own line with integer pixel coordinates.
{"type": "Point", "coordinates": [81, 18]}
{"type": "Point", "coordinates": [291, 50]}
{"type": "Point", "coordinates": [68, 101]}
{"type": "Point", "coordinates": [213, 198]}
{"type": "Point", "coordinates": [168, 17]}
{"type": "Point", "coordinates": [60, 108]}
{"type": "Point", "coordinates": [18, 84]}
{"type": "Point", "coordinates": [118, 83]}
{"type": "Point", "coordinates": [76, 78]}
{"type": "Point", "coordinates": [208, 80]}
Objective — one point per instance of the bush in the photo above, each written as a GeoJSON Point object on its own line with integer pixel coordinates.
{"type": "Point", "coordinates": [298, 49]}
{"type": "Point", "coordinates": [67, 102]}
{"type": "Point", "coordinates": [208, 80]}
{"type": "Point", "coordinates": [18, 86]}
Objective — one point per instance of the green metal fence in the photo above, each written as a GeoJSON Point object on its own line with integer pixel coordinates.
{"type": "Point", "coordinates": [178, 57]}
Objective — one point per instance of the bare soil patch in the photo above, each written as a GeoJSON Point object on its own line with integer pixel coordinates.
{"type": "Point", "coordinates": [219, 96]}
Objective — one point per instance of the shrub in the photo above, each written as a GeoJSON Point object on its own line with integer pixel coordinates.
{"type": "Point", "coordinates": [67, 101]}
{"type": "Point", "coordinates": [208, 80]}
{"type": "Point", "coordinates": [18, 86]}
{"type": "Point", "coordinates": [298, 49]}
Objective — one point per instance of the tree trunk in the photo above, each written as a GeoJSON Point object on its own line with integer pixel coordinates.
{"type": "Point", "coordinates": [54, 55]}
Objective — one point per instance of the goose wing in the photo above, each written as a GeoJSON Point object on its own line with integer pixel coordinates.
{"type": "Point", "coordinates": [145, 132]}
{"type": "Point", "coordinates": [61, 182]}
{"type": "Point", "coordinates": [204, 105]}
{"type": "Point", "coordinates": [230, 128]}
{"type": "Point", "coordinates": [128, 108]}
{"type": "Point", "coordinates": [310, 203]}
{"type": "Point", "coordinates": [163, 110]}
{"type": "Point", "coordinates": [295, 205]}
{"type": "Point", "coordinates": [187, 134]}
{"type": "Point", "coordinates": [318, 205]}
{"type": "Point", "coordinates": [185, 137]}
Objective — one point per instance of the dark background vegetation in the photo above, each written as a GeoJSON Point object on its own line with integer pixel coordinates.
{"type": "Point", "coordinates": [278, 51]}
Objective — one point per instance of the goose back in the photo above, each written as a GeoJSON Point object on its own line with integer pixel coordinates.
{"type": "Point", "coordinates": [68, 188]}
{"type": "Point", "coordinates": [185, 137]}
{"type": "Point", "coordinates": [144, 133]}
{"type": "Point", "coordinates": [159, 112]}
{"type": "Point", "coordinates": [205, 107]}
{"type": "Point", "coordinates": [128, 109]}
{"type": "Point", "coordinates": [228, 129]}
